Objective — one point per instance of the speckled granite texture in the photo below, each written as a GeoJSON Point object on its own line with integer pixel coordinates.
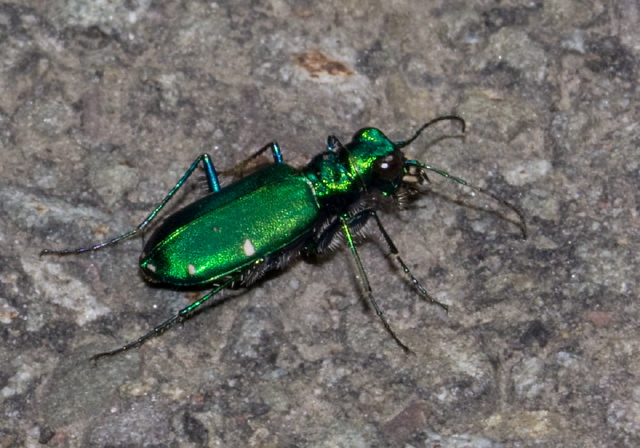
{"type": "Point", "coordinates": [103, 106]}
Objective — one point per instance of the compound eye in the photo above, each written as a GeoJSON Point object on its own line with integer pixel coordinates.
{"type": "Point", "coordinates": [389, 167]}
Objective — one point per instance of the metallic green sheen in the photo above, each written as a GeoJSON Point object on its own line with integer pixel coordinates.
{"type": "Point", "coordinates": [234, 235]}
{"type": "Point", "coordinates": [231, 230]}
{"type": "Point", "coordinates": [367, 146]}
{"type": "Point", "coordinates": [350, 172]}
{"type": "Point", "coordinates": [260, 216]}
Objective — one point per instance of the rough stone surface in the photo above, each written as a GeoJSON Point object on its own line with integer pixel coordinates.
{"type": "Point", "coordinates": [103, 106]}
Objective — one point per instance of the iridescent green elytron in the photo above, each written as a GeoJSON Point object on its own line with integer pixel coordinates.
{"type": "Point", "coordinates": [234, 235]}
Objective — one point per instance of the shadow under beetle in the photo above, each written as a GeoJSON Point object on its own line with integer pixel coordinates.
{"type": "Point", "coordinates": [234, 235]}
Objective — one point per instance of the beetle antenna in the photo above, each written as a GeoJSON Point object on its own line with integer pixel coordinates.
{"type": "Point", "coordinates": [402, 144]}
{"type": "Point", "coordinates": [517, 210]}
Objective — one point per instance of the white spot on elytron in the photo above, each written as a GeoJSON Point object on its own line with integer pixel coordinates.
{"type": "Point", "coordinates": [151, 267]}
{"type": "Point", "coordinates": [248, 248]}
{"type": "Point", "coordinates": [191, 269]}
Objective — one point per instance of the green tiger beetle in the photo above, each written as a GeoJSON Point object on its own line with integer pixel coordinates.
{"type": "Point", "coordinates": [234, 235]}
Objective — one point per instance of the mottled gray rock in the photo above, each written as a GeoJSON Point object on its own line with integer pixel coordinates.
{"type": "Point", "coordinates": [104, 105]}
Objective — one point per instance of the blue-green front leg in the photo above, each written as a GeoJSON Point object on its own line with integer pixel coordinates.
{"type": "Point", "coordinates": [212, 182]}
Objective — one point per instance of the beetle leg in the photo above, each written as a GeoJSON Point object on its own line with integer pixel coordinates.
{"type": "Point", "coordinates": [238, 170]}
{"type": "Point", "coordinates": [333, 143]}
{"type": "Point", "coordinates": [396, 254]}
{"type": "Point", "coordinates": [180, 317]}
{"type": "Point", "coordinates": [364, 281]}
{"type": "Point", "coordinates": [210, 173]}
{"type": "Point", "coordinates": [212, 181]}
